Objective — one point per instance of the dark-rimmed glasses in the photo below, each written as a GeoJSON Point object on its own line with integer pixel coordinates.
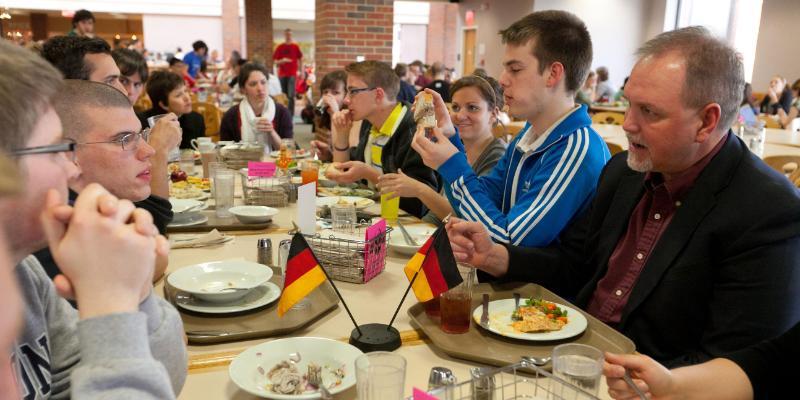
{"type": "Point", "coordinates": [128, 140]}
{"type": "Point", "coordinates": [67, 147]}
{"type": "Point", "coordinates": [352, 92]}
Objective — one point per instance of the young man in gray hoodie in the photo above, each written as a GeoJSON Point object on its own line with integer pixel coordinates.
{"type": "Point", "coordinates": [124, 343]}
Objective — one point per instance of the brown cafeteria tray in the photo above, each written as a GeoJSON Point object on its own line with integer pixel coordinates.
{"type": "Point", "coordinates": [489, 348]}
{"type": "Point", "coordinates": [258, 323]}
{"type": "Point", "coordinates": [220, 224]}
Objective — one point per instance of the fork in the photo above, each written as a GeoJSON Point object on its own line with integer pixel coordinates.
{"type": "Point", "coordinates": [315, 380]}
{"type": "Point", "coordinates": [485, 312]}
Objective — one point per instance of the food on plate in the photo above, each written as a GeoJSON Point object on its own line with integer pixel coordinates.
{"type": "Point", "coordinates": [539, 315]}
{"type": "Point", "coordinates": [191, 187]}
{"type": "Point", "coordinates": [357, 203]}
{"type": "Point", "coordinates": [285, 377]}
{"type": "Point", "coordinates": [344, 191]}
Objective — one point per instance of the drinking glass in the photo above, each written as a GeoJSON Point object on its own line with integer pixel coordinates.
{"type": "Point", "coordinates": [754, 137]}
{"type": "Point", "coordinates": [309, 172]}
{"type": "Point", "coordinates": [343, 217]}
{"type": "Point", "coordinates": [580, 365]}
{"type": "Point", "coordinates": [390, 209]}
{"type": "Point", "coordinates": [456, 303]}
{"type": "Point", "coordinates": [223, 191]}
{"type": "Point", "coordinates": [208, 155]}
{"type": "Point", "coordinates": [187, 161]}
{"type": "Point", "coordinates": [380, 375]}
{"type": "Point", "coordinates": [213, 166]}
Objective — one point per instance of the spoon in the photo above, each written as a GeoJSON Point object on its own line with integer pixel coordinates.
{"type": "Point", "coordinates": [537, 361]}
{"type": "Point", "coordinates": [627, 378]}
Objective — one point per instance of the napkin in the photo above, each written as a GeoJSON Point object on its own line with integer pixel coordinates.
{"type": "Point", "coordinates": [208, 239]}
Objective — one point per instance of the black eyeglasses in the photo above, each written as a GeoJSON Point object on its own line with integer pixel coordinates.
{"type": "Point", "coordinates": [355, 91]}
{"type": "Point", "coordinates": [67, 148]}
{"type": "Point", "coordinates": [128, 140]}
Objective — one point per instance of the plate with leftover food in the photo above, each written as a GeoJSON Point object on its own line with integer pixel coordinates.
{"type": "Point", "coordinates": [534, 320]}
{"type": "Point", "coordinates": [358, 202]}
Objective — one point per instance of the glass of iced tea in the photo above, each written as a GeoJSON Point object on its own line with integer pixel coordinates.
{"type": "Point", "coordinates": [456, 303]}
{"type": "Point", "coordinates": [309, 171]}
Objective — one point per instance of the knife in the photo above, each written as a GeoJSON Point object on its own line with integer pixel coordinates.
{"type": "Point", "coordinates": [485, 312]}
{"type": "Point", "coordinates": [409, 240]}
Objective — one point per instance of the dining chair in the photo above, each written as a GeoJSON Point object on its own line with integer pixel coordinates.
{"type": "Point", "coordinates": [784, 164]}
{"type": "Point", "coordinates": [614, 148]}
{"type": "Point", "coordinates": [607, 117]}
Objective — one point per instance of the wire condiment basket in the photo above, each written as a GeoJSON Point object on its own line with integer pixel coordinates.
{"type": "Point", "coordinates": [270, 192]}
{"type": "Point", "coordinates": [523, 380]}
{"type": "Point", "coordinates": [351, 260]}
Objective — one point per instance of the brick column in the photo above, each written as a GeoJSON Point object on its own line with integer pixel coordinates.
{"type": "Point", "coordinates": [442, 30]}
{"type": "Point", "coordinates": [345, 29]}
{"type": "Point", "coordinates": [258, 19]}
{"type": "Point", "coordinates": [231, 28]}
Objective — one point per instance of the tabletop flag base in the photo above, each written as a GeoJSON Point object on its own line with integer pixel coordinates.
{"type": "Point", "coordinates": [375, 337]}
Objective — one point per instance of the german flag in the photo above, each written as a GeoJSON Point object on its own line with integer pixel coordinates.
{"type": "Point", "coordinates": [437, 268]}
{"type": "Point", "coordinates": [303, 274]}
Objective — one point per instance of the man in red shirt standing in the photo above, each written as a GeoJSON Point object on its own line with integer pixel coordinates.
{"type": "Point", "coordinates": [288, 57]}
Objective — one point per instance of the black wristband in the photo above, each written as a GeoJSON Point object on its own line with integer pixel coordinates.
{"type": "Point", "coordinates": [338, 149]}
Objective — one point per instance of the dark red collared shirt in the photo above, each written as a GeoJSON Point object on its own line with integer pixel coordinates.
{"type": "Point", "coordinates": [647, 223]}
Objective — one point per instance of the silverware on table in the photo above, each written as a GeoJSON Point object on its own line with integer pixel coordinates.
{"type": "Point", "coordinates": [485, 311]}
{"type": "Point", "coordinates": [214, 334]}
{"type": "Point", "coordinates": [516, 301]}
{"type": "Point", "coordinates": [409, 240]}
{"type": "Point", "coordinates": [537, 361]}
{"type": "Point", "coordinates": [629, 381]}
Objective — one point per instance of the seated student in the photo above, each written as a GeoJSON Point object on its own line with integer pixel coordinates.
{"type": "Point", "coordinates": [779, 96]}
{"type": "Point", "coordinates": [407, 91]}
{"type": "Point", "coordinates": [79, 57]}
{"type": "Point", "coordinates": [384, 144]}
{"type": "Point", "coordinates": [549, 172]}
{"type": "Point", "coordinates": [786, 117]}
{"type": "Point", "coordinates": [257, 114]}
{"type": "Point", "coordinates": [169, 94]}
{"type": "Point", "coordinates": [113, 150]}
{"type": "Point", "coordinates": [604, 93]}
{"type": "Point", "coordinates": [476, 104]}
{"type": "Point", "coordinates": [764, 371]}
{"type": "Point", "coordinates": [125, 343]}
{"type": "Point", "coordinates": [333, 90]}
{"type": "Point", "coordinates": [439, 84]}
{"type": "Point", "coordinates": [180, 68]}
{"type": "Point", "coordinates": [686, 219]}
{"type": "Point", "coordinates": [133, 72]}
{"type": "Point", "coordinates": [588, 91]}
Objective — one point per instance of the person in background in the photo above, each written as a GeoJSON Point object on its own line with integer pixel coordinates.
{"type": "Point", "coordinates": [604, 92]}
{"type": "Point", "coordinates": [384, 144]}
{"type": "Point", "coordinates": [620, 95]}
{"type": "Point", "coordinates": [169, 94]}
{"type": "Point", "coordinates": [114, 151]}
{"type": "Point", "coordinates": [193, 58]}
{"type": "Point", "coordinates": [224, 76]}
{"type": "Point", "coordinates": [125, 343]}
{"type": "Point", "coordinates": [274, 85]}
{"type": "Point", "coordinates": [417, 68]}
{"type": "Point", "coordinates": [439, 84]}
{"type": "Point", "coordinates": [477, 101]}
{"type": "Point", "coordinates": [178, 67]}
{"type": "Point", "coordinates": [786, 118]}
{"type": "Point", "coordinates": [763, 371]}
{"type": "Point", "coordinates": [83, 58]}
{"type": "Point", "coordinates": [289, 58]}
{"type": "Point", "coordinates": [133, 72]}
{"type": "Point", "coordinates": [333, 91]}
{"type": "Point", "coordinates": [779, 96]}
{"type": "Point", "coordinates": [257, 117]}
{"type": "Point", "coordinates": [548, 175]}
{"type": "Point", "coordinates": [214, 57]}
{"type": "Point", "coordinates": [586, 93]}
{"type": "Point", "coordinates": [82, 24]}
{"type": "Point", "coordinates": [407, 91]}
{"type": "Point", "coordinates": [658, 238]}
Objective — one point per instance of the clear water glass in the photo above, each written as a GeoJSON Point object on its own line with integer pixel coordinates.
{"type": "Point", "coordinates": [580, 365]}
{"type": "Point", "coordinates": [380, 375]}
{"type": "Point", "coordinates": [223, 191]}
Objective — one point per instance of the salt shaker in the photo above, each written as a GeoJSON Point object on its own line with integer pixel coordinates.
{"type": "Point", "coordinates": [482, 384]}
{"type": "Point", "coordinates": [442, 377]}
{"type": "Point", "coordinates": [265, 251]}
{"type": "Point", "coordinates": [283, 254]}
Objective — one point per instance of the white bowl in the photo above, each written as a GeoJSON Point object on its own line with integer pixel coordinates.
{"type": "Point", "coordinates": [253, 214]}
{"type": "Point", "coordinates": [248, 370]}
{"type": "Point", "coordinates": [206, 281]}
{"type": "Point", "coordinates": [420, 233]}
{"type": "Point", "coordinates": [181, 205]}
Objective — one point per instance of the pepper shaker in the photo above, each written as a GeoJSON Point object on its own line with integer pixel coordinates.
{"type": "Point", "coordinates": [483, 384]}
{"type": "Point", "coordinates": [264, 254]}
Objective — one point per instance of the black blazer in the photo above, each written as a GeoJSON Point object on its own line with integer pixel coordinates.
{"type": "Point", "coordinates": [397, 153]}
{"type": "Point", "coordinates": [724, 275]}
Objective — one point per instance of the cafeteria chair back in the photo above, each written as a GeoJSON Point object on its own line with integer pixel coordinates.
{"type": "Point", "coordinates": [614, 148]}
{"type": "Point", "coordinates": [770, 122]}
{"type": "Point", "coordinates": [143, 103]}
{"type": "Point", "coordinates": [607, 117]}
{"type": "Point", "coordinates": [281, 99]}
{"type": "Point", "coordinates": [783, 164]}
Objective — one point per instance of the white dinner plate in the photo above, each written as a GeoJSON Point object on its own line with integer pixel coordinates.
{"type": "Point", "coordinates": [295, 155]}
{"type": "Point", "coordinates": [420, 233]}
{"type": "Point", "coordinates": [181, 205]}
{"type": "Point", "coordinates": [359, 202]}
{"type": "Point", "coordinates": [249, 369]}
{"type": "Point", "coordinates": [187, 219]}
{"type": "Point", "coordinates": [258, 297]}
{"type": "Point", "coordinates": [500, 322]}
{"type": "Point", "coordinates": [208, 281]}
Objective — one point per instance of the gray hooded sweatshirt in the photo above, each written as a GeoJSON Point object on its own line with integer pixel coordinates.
{"type": "Point", "coordinates": [137, 355]}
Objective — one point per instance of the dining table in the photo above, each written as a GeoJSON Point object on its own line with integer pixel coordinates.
{"type": "Point", "coordinates": [371, 302]}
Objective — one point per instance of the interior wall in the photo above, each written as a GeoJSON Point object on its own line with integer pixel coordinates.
{"type": "Point", "coordinates": [775, 53]}
{"type": "Point", "coordinates": [164, 33]}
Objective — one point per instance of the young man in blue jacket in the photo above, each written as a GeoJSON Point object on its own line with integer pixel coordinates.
{"type": "Point", "coordinates": [550, 171]}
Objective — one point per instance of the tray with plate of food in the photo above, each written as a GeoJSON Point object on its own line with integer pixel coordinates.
{"type": "Point", "coordinates": [536, 319]}
{"type": "Point", "coordinates": [345, 191]}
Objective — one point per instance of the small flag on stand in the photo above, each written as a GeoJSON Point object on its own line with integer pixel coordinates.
{"type": "Point", "coordinates": [434, 266]}
{"type": "Point", "coordinates": [303, 274]}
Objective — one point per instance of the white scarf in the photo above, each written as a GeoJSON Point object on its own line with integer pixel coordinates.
{"type": "Point", "coordinates": [248, 118]}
